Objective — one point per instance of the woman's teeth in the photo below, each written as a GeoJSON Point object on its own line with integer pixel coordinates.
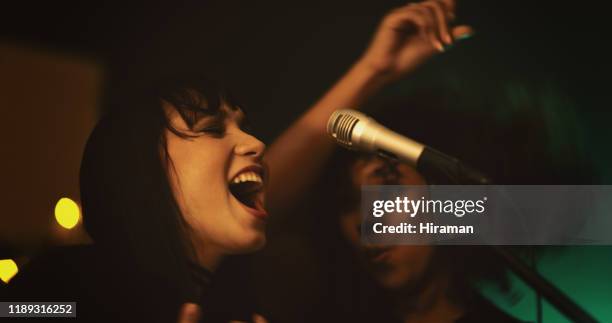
{"type": "Point", "coordinates": [247, 177]}
{"type": "Point", "coordinates": [247, 188]}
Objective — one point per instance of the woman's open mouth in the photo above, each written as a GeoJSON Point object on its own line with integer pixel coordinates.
{"type": "Point", "coordinates": [248, 188]}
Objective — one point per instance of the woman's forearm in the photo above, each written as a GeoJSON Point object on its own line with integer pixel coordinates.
{"type": "Point", "coordinates": [298, 155]}
{"type": "Point", "coordinates": [406, 37]}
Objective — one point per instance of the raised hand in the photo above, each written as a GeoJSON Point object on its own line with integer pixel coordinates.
{"type": "Point", "coordinates": [406, 37]}
{"type": "Point", "coordinates": [411, 34]}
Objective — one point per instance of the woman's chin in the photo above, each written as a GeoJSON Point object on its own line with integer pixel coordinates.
{"type": "Point", "coordinates": [257, 244]}
{"type": "Point", "coordinates": [254, 242]}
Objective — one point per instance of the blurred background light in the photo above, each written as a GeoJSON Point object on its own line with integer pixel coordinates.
{"type": "Point", "coordinates": [67, 213]}
{"type": "Point", "coordinates": [8, 270]}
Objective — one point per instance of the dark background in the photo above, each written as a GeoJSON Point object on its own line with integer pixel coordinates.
{"type": "Point", "coordinates": [280, 56]}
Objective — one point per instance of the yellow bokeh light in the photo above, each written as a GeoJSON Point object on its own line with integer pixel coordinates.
{"type": "Point", "coordinates": [8, 269]}
{"type": "Point", "coordinates": [67, 213]}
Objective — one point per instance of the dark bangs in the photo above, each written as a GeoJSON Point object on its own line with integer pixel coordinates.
{"type": "Point", "coordinates": [196, 98]}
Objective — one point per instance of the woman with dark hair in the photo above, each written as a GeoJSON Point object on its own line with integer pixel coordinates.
{"type": "Point", "coordinates": [357, 282]}
{"type": "Point", "coordinates": [172, 184]}
{"type": "Point", "coordinates": [403, 283]}
{"type": "Point", "coordinates": [195, 188]}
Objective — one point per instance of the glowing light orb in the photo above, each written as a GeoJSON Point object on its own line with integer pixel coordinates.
{"type": "Point", "coordinates": [67, 213]}
{"type": "Point", "coordinates": [8, 269]}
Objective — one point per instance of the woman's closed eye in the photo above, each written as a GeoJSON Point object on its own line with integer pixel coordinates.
{"type": "Point", "coordinates": [212, 125]}
{"type": "Point", "coordinates": [381, 172]}
{"type": "Point", "coordinates": [213, 130]}
{"type": "Point", "coordinates": [388, 172]}
{"type": "Point", "coordinates": [217, 125]}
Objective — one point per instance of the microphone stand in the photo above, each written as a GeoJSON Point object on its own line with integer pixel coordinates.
{"type": "Point", "coordinates": [445, 169]}
{"type": "Point", "coordinates": [543, 287]}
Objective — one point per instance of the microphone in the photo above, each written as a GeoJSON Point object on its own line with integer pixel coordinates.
{"type": "Point", "coordinates": [356, 131]}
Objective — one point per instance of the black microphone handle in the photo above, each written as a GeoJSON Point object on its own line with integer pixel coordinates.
{"type": "Point", "coordinates": [440, 168]}
{"type": "Point", "coordinates": [444, 169]}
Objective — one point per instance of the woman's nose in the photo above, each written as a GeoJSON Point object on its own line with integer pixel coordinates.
{"type": "Point", "coordinates": [250, 146]}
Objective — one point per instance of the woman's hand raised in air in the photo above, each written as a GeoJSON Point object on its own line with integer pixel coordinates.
{"type": "Point", "coordinates": [410, 34]}
{"type": "Point", "coordinates": [406, 38]}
